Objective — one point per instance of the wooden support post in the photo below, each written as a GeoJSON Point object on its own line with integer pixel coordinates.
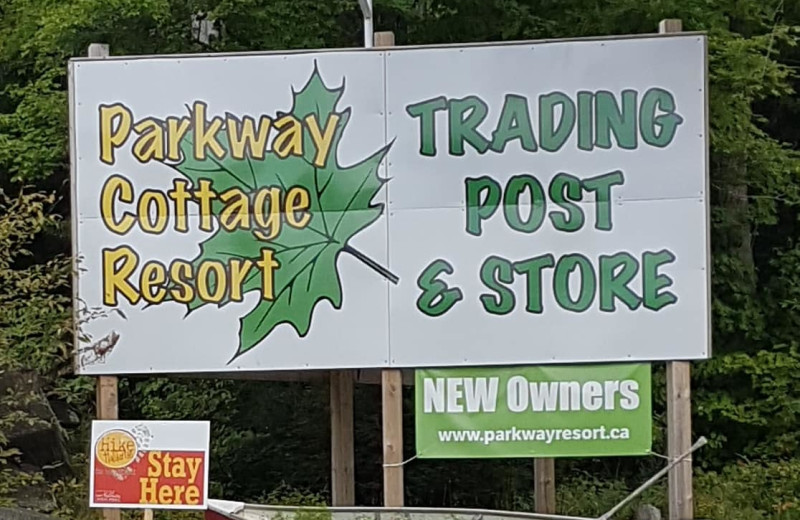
{"type": "Point", "coordinates": [679, 406]}
{"type": "Point", "coordinates": [384, 39]}
{"type": "Point", "coordinates": [392, 390]}
{"type": "Point", "coordinates": [343, 482]}
{"type": "Point", "coordinates": [392, 399]}
{"type": "Point", "coordinates": [107, 405]}
{"type": "Point", "coordinates": [98, 50]}
{"type": "Point", "coordinates": [670, 25]}
{"type": "Point", "coordinates": [544, 485]}
{"type": "Point", "coordinates": [107, 408]}
{"type": "Point", "coordinates": [148, 514]}
{"type": "Point", "coordinates": [679, 440]}
{"type": "Point", "coordinates": [107, 398]}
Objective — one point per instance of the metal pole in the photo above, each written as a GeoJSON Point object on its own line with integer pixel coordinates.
{"type": "Point", "coordinates": [366, 11]}
{"type": "Point", "coordinates": [696, 446]}
{"type": "Point", "coordinates": [368, 32]}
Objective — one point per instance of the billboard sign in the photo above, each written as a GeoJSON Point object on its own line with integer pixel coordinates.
{"type": "Point", "coordinates": [149, 464]}
{"type": "Point", "coordinates": [431, 206]}
{"type": "Point", "coordinates": [544, 411]}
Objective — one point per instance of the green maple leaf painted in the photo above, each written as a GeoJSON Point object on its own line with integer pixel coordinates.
{"type": "Point", "coordinates": [340, 207]}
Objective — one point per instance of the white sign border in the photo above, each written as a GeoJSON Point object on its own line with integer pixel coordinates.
{"type": "Point", "coordinates": [650, 36]}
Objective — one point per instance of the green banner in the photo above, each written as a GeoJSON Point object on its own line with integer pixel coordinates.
{"type": "Point", "coordinates": [542, 411]}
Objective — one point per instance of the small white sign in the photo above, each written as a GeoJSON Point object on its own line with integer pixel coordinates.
{"type": "Point", "coordinates": [149, 464]}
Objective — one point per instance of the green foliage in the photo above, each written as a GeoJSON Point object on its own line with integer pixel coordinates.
{"type": "Point", "coordinates": [71, 497]}
{"type": "Point", "coordinates": [35, 318]}
{"type": "Point", "coordinates": [271, 25]}
{"type": "Point", "coordinates": [34, 306]}
{"type": "Point", "coordinates": [750, 492]}
{"type": "Point", "coordinates": [12, 480]}
{"type": "Point", "coordinates": [742, 491]}
{"type": "Point", "coordinates": [34, 301]}
{"type": "Point", "coordinates": [33, 321]}
{"type": "Point", "coordinates": [311, 505]}
{"type": "Point", "coordinates": [286, 495]}
{"type": "Point", "coordinates": [588, 495]}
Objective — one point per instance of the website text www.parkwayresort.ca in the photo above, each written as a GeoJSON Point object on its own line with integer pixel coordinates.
{"type": "Point", "coordinates": [546, 435]}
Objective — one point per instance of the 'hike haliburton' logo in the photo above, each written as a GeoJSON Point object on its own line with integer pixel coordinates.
{"type": "Point", "coordinates": [116, 449]}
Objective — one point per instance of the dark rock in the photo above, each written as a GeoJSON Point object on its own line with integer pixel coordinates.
{"type": "Point", "coordinates": [21, 514]}
{"type": "Point", "coordinates": [34, 429]}
{"type": "Point", "coordinates": [34, 497]}
{"type": "Point", "coordinates": [65, 415]}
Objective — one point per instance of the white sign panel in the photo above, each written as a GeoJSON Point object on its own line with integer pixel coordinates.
{"type": "Point", "coordinates": [149, 464]}
{"type": "Point", "coordinates": [484, 205]}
